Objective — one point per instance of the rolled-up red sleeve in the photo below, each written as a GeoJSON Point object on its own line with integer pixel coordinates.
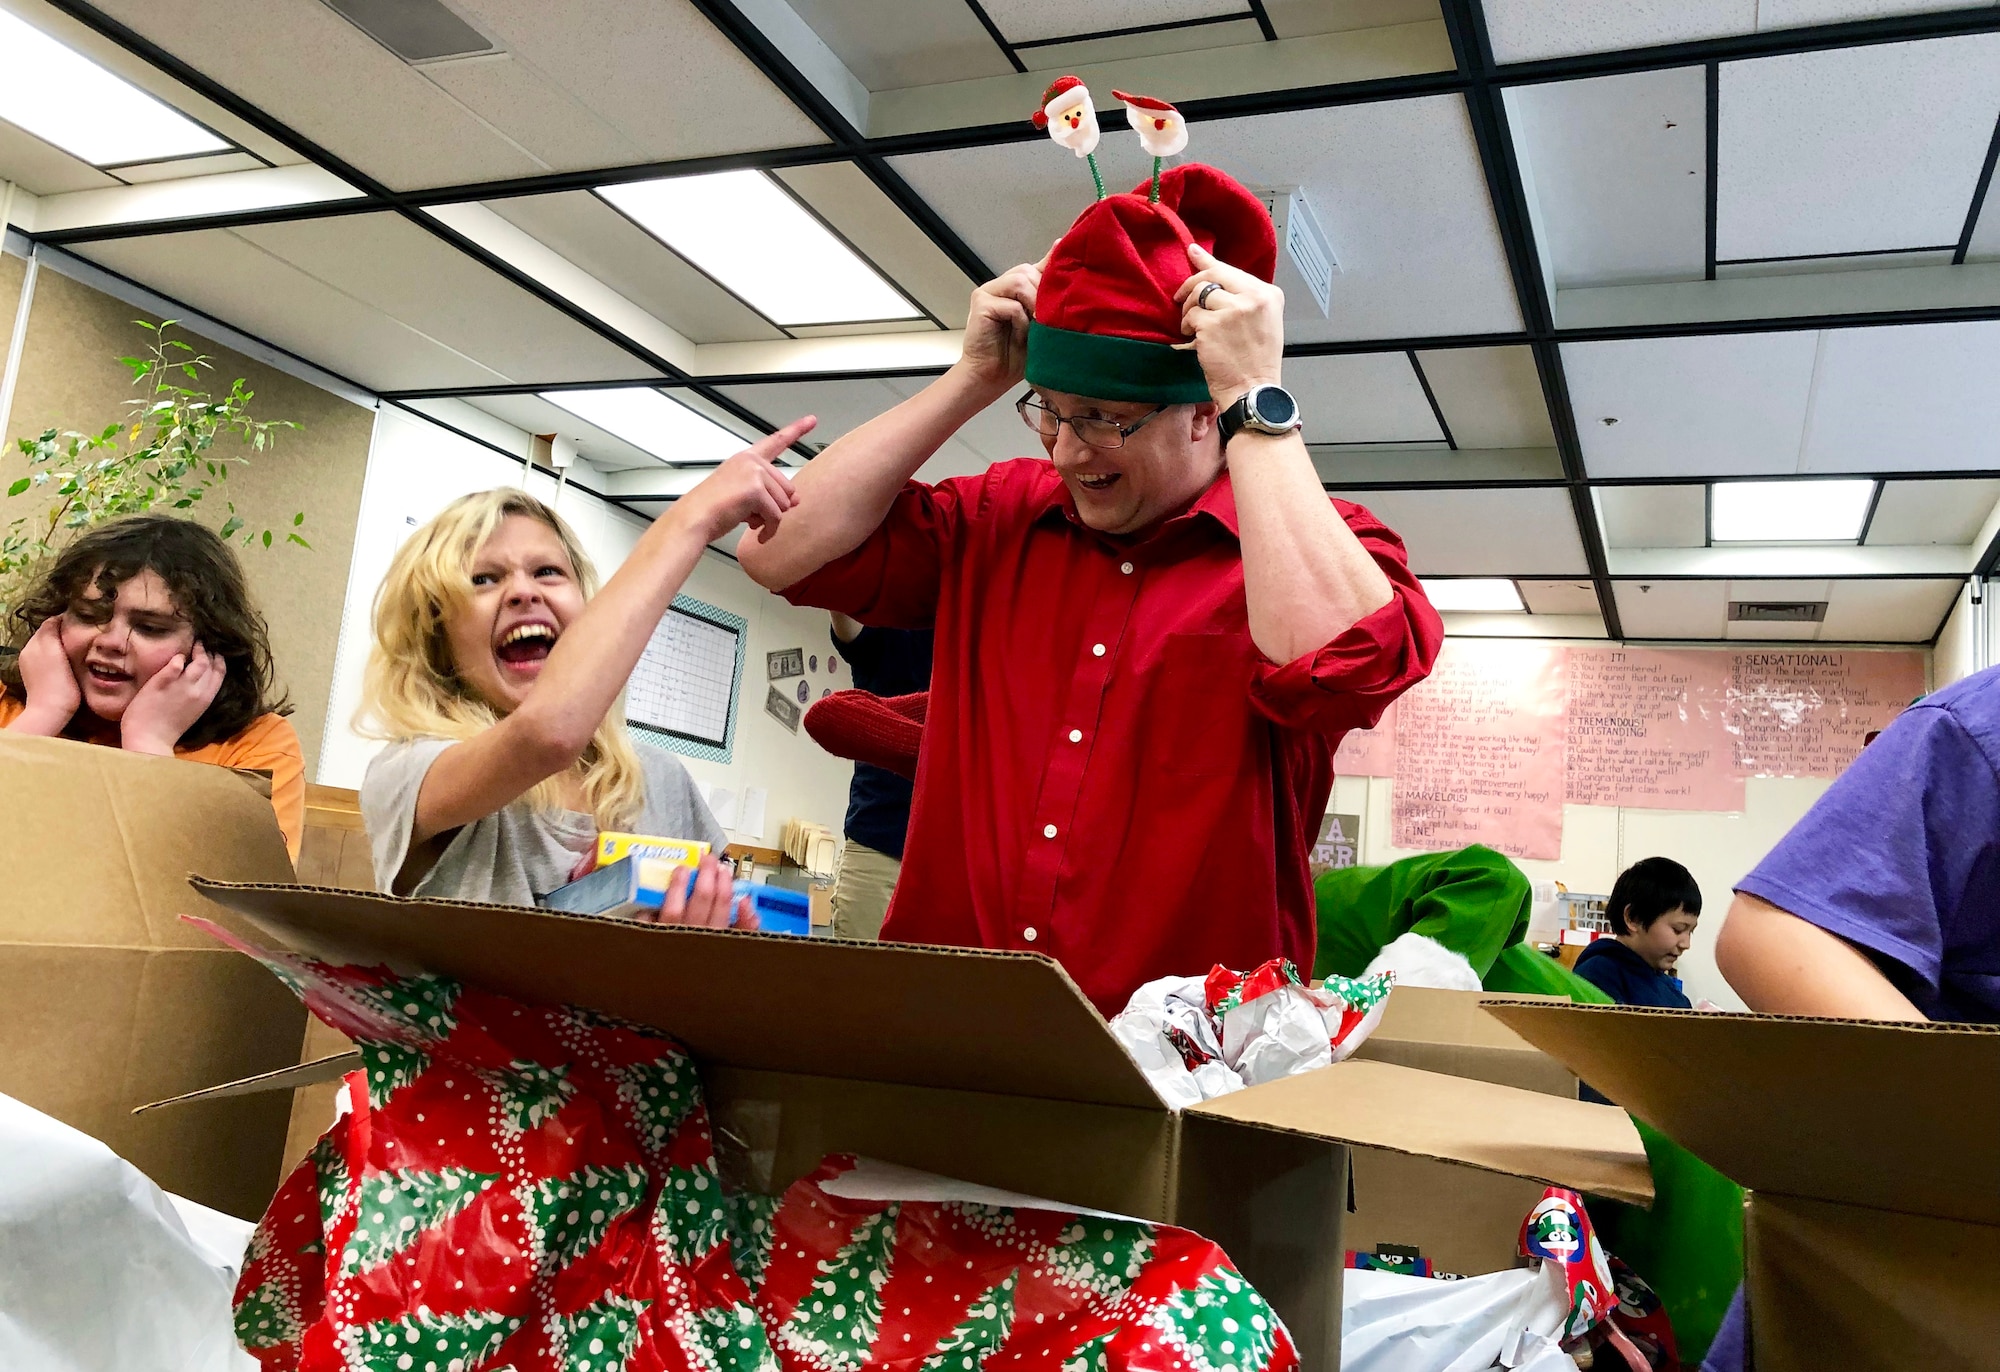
{"type": "Point", "coordinates": [1348, 683]}
{"type": "Point", "coordinates": [892, 580]}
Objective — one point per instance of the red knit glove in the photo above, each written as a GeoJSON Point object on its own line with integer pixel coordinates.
{"type": "Point", "coordinates": [883, 731]}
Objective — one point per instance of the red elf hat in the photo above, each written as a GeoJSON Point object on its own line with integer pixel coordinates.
{"type": "Point", "coordinates": [1106, 322]}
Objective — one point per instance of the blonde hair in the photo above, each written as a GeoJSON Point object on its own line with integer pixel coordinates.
{"type": "Point", "coordinates": [412, 688]}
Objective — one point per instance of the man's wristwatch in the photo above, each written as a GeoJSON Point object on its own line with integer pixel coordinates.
{"type": "Point", "coordinates": [1263, 410]}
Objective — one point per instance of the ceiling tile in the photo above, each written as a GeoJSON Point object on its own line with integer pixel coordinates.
{"type": "Point", "coordinates": [1492, 532]}
{"type": "Point", "coordinates": [1672, 609]}
{"type": "Point", "coordinates": [1364, 398]}
{"type": "Point", "coordinates": [1653, 516]}
{"type": "Point", "coordinates": [1560, 597]}
{"type": "Point", "coordinates": [1491, 397]}
{"type": "Point", "coordinates": [889, 44]}
{"type": "Point", "coordinates": [385, 261]}
{"type": "Point", "coordinates": [1716, 405]}
{"type": "Point", "coordinates": [1397, 185]}
{"type": "Point", "coordinates": [1946, 513]}
{"type": "Point", "coordinates": [1771, 632]}
{"type": "Point", "coordinates": [1887, 611]}
{"type": "Point", "coordinates": [1527, 30]}
{"type": "Point", "coordinates": [1788, 14]}
{"type": "Point", "coordinates": [1853, 149]}
{"type": "Point", "coordinates": [228, 278]}
{"type": "Point", "coordinates": [1023, 21]}
{"type": "Point", "coordinates": [1062, 57]}
{"type": "Point", "coordinates": [1766, 591]}
{"type": "Point", "coordinates": [1618, 167]}
{"type": "Point", "coordinates": [1293, 18]}
{"type": "Point", "coordinates": [584, 229]}
{"type": "Point", "coordinates": [1912, 398]}
{"type": "Point", "coordinates": [581, 80]}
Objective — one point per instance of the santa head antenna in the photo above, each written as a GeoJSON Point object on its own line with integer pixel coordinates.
{"type": "Point", "coordinates": [1071, 120]}
{"type": "Point", "coordinates": [1161, 128]}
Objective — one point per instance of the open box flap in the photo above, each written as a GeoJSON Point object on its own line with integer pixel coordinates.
{"type": "Point", "coordinates": [1894, 1116]}
{"type": "Point", "coordinates": [1591, 1148]}
{"type": "Point", "coordinates": [284, 1079]}
{"type": "Point", "coordinates": [1005, 1023]}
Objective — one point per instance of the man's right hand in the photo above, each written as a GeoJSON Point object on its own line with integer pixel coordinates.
{"type": "Point", "coordinates": [48, 680]}
{"type": "Point", "coordinates": [995, 353]}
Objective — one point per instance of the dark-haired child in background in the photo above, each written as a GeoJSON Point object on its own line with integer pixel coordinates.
{"type": "Point", "coordinates": [1654, 907]}
{"type": "Point", "coordinates": [142, 635]}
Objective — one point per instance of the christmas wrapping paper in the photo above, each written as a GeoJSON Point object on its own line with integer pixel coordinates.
{"type": "Point", "coordinates": [535, 1189]}
{"type": "Point", "coordinates": [1197, 1038]}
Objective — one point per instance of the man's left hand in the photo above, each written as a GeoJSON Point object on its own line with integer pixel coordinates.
{"type": "Point", "coordinates": [1239, 333]}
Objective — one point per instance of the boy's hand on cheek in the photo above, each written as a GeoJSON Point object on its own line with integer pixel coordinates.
{"type": "Point", "coordinates": [48, 681]}
{"type": "Point", "coordinates": [168, 705]}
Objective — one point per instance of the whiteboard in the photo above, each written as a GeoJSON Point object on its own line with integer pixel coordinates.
{"type": "Point", "coordinates": [685, 683]}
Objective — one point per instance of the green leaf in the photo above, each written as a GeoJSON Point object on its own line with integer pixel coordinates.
{"type": "Point", "coordinates": [230, 526]}
{"type": "Point", "coordinates": [294, 538]}
{"type": "Point", "coordinates": [298, 519]}
{"type": "Point", "coordinates": [176, 343]}
{"type": "Point", "coordinates": [267, 538]}
{"type": "Point", "coordinates": [24, 483]}
{"type": "Point", "coordinates": [150, 328]}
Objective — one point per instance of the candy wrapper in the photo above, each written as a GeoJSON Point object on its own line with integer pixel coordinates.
{"type": "Point", "coordinates": [534, 1189]}
{"type": "Point", "coordinates": [1196, 1039]}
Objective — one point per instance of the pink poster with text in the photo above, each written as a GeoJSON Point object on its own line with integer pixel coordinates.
{"type": "Point", "coordinates": [1647, 728]}
{"type": "Point", "coordinates": [1479, 751]}
{"type": "Point", "coordinates": [1806, 713]}
{"type": "Point", "coordinates": [1369, 752]}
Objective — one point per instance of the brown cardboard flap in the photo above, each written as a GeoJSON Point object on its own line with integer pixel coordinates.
{"type": "Point", "coordinates": [113, 835]}
{"type": "Point", "coordinates": [1570, 1143]}
{"type": "Point", "coordinates": [1004, 1023]}
{"type": "Point", "coordinates": [284, 1079]}
{"type": "Point", "coordinates": [1896, 1116]}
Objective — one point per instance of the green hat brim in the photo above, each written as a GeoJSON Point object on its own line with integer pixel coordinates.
{"type": "Point", "coordinates": [1107, 367]}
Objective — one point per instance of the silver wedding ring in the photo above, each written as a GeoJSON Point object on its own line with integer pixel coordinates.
{"type": "Point", "coordinates": [1201, 296]}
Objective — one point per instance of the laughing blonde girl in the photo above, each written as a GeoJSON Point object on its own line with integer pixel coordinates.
{"type": "Point", "coordinates": [495, 673]}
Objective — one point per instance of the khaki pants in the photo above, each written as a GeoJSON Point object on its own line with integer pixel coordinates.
{"type": "Point", "coordinates": [861, 890]}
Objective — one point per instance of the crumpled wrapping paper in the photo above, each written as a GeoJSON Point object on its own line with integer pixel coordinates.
{"type": "Point", "coordinates": [1197, 1038]}
{"type": "Point", "coordinates": [101, 1269]}
{"type": "Point", "coordinates": [534, 1188]}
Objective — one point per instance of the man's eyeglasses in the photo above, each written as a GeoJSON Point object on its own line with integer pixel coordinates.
{"type": "Point", "coordinates": [1098, 433]}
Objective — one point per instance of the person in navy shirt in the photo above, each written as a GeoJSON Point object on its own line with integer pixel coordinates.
{"type": "Point", "coordinates": [1654, 907]}
{"type": "Point", "coordinates": [1884, 901]}
{"type": "Point", "coordinates": [886, 662]}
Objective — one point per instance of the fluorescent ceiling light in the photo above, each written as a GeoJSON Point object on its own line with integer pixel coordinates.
{"type": "Point", "coordinates": [1475, 595]}
{"type": "Point", "coordinates": [1788, 511]}
{"type": "Point", "coordinates": [648, 420]}
{"type": "Point", "coordinates": [62, 97]}
{"type": "Point", "coordinates": [744, 230]}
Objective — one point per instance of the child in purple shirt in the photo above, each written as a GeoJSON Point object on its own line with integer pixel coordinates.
{"type": "Point", "coordinates": [1884, 901]}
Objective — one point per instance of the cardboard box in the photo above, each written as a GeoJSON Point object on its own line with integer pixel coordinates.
{"type": "Point", "coordinates": [990, 1067]}
{"type": "Point", "coordinates": [1464, 1222]}
{"type": "Point", "coordinates": [1870, 1151]}
{"type": "Point", "coordinates": [107, 1000]}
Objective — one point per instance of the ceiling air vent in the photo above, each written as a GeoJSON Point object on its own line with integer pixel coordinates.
{"type": "Point", "coordinates": [415, 30]}
{"type": "Point", "coordinates": [1306, 264]}
{"type": "Point", "coordinates": [1777, 611]}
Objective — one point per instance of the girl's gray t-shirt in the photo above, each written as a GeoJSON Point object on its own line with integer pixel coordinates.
{"type": "Point", "coordinates": [518, 853]}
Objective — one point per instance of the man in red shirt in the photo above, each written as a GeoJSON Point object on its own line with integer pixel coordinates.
{"type": "Point", "coordinates": [1149, 643]}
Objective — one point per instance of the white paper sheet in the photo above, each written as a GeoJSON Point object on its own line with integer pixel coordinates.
{"type": "Point", "coordinates": [724, 804]}
{"type": "Point", "coordinates": [98, 1268]}
{"type": "Point", "coordinates": [751, 822]}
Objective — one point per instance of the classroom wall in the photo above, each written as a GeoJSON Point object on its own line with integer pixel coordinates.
{"type": "Point", "coordinates": [416, 468]}
{"type": "Point", "coordinates": [1959, 652]}
{"type": "Point", "coordinates": [70, 378]}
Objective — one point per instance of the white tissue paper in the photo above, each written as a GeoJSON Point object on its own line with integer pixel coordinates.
{"type": "Point", "coordinates": [1420, 961]}
{"type": "Point", "coordinates": [100, 1270]}
{"type": "Point", "coordinates": [1509, 1319]}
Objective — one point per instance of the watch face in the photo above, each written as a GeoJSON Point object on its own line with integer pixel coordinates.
{"type": "Point", "coordinates": [1274, 406]}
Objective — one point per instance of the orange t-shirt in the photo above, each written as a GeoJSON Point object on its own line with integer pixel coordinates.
{"type": "Point", "coordinates": [267, 743]}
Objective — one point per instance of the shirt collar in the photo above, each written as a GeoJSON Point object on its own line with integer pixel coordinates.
{"type": "Point", "coordinates": [1217, 504]}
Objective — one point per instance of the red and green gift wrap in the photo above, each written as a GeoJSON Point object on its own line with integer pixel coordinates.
{"type": "Point", "coordinates": [535, 1189]}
